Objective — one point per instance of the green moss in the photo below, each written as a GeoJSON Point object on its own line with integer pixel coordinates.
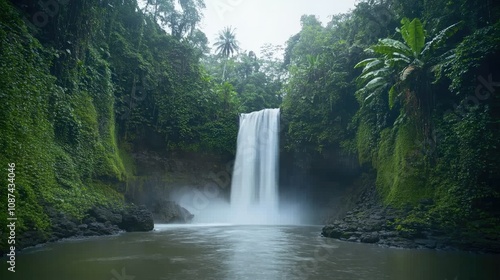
{"type": "Point", "coordinates": [124, 152]}
{"type": "Point", "coordinates": [98, 81]}
{"type": "Point", "coordinates": [364, 140]}
{"type": "Point", "coordinates": [401, 178]}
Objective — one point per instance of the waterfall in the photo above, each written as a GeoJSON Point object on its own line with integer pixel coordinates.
{"type": "Point", "coordinates": [254, 187]}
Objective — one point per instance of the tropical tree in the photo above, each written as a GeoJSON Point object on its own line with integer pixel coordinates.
{"type": "Point", "coordinates": [226, 45]}
{"type": "Point", "coordinates": [181, 16]}
{"type": "Point", "coordinates": [318, 101]}
{"type": "Point", "coordinates": [401, 68]}
{"type": "Point", "coordinates": [247, 64]}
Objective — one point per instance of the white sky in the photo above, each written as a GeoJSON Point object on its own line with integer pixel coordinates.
{"type": "Point", "coordinates": [259, 21]}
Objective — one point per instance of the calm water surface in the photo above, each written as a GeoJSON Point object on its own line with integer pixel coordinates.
{"type": "Point", "coordinates": [240, 252]}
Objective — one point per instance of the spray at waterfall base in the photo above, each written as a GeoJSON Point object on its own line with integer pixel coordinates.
{"type": "Point", "coordinates": [254, 197]}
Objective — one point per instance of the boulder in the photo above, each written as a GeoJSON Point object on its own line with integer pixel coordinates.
{"type": "Point", "coordinates": [331, 231]}
{"type": "Point", "coordinates": [347, 234]}
{"type": "Point", "coordinates": [62, 225]}
{"type": "Point", "coordinates": [370, 238]}
{"type": "Point", "coordinates": [387, 234]}
{"type": "Point", "coordinates": [30, 238]}
{"type": "Point", "coordinates": [167, 212]}
{"type": "Point", "coordinates": [64, 228]}
{"type": "Point", "coordinates": [103, 215]}
{"type": "Point", "coordinates": [100, 229]}
{"type": "Point", "coordinates": [137, 218]}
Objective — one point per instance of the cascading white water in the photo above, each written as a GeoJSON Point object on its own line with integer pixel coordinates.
{"type": "Point", "coordinates": [254, 187]}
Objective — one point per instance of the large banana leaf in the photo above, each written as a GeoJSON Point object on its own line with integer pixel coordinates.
{"type": "Point", "coordinates": [402, 56]}
{"type": "Point", "coordinates": [383, 72]}
{"type": "Point", "coordinates": [395, 62]}
{"type": "Point", "coordinates": [363, 62]}
{"type": "Point", "coordinates": [374, 65]}
{"type": "Point", "coordinates": [389, 47]}
{"type": "Point", "coordinates": [414, 35]}
{"type": "Point", "coordinates": [375, 83]}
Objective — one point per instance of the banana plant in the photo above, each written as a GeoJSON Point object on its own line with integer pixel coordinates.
{"type": "Point", "coordinates": [394, 61]}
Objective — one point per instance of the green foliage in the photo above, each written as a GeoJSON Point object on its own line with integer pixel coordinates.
{"type": "Point", "coordinates": [465, 158]}
{"type": "Point", "coordinates": [458, 165]}
{"type": "Point", "coordinates": [473, 52]}
{"type": "Point", "coordinates": [104, 81]}
{"type": "Point", "coordinates": [61, 139]}
{"type": "Point", "coordinates": [161, 89]}
{"type": "Point", "coordinates": [220, 128]}
{"type": "Point", "coordinates": [24, 125]}
{"type": "Point", "coordinates": [413, 34]}
{"type": "Point", "coordinates": [256, 81]}
{"type": "Point", "coordinates": [402, 66]}
{"type": "Point", "coordinates": [318, 104]}
{"type": "Point", "coordinates": [181, 18]}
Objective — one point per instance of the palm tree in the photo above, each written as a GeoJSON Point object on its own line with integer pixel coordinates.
{"type": "Point", "coordinates": [226, 45]}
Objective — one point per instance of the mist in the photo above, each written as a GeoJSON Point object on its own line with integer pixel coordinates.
{"type": "Point", "coordinates": [208, 208]}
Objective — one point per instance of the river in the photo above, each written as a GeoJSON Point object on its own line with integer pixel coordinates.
{"type": "Point", "coordinates": [240, 252]}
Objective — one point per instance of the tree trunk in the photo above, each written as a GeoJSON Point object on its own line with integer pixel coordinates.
{"type": "Point", "coordinates": [224, 71]}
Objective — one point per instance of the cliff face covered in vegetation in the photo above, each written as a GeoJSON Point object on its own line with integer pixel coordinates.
{"type": "Point", "coordinates": [64, 94]}
{"type": "Point", "coordinates": [410, 89]}
{"type": "Point", "coordinates": [88, 88]}
{"type": "Point", "coordinates": [399, 95]}
{"type": "Point", "coordinates": [61, 139]}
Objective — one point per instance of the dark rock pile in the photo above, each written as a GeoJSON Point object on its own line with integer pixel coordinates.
{"type": "Point", "coordinates": [98, 221]}
{"type": "Point", "coordinates": [370, 222]}
{"type": "Point", "coordinates": [376, 225]}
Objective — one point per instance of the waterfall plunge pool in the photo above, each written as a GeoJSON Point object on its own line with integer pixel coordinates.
{"type": "Point", "coordinates": [223, 251]}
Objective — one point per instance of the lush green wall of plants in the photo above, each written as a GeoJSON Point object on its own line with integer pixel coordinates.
{"type": "Point", "coordinates": [61, 141]}
{"type": "Point", "coordinates": [426, 117]}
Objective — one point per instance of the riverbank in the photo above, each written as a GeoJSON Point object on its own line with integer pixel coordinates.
{"type": "Point", "coordinates": [372, 222]}
{"type": "Point", "coordinates": [98, 221]}
{"type": "Point", "coordinates": [102, 220]}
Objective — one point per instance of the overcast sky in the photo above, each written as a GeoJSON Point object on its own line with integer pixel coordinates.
{"type": "Point", "coordinates": [259, 21]}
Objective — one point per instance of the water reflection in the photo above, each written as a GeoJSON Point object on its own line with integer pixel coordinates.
{"type": "Point", "coordinates": [264, 253]}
